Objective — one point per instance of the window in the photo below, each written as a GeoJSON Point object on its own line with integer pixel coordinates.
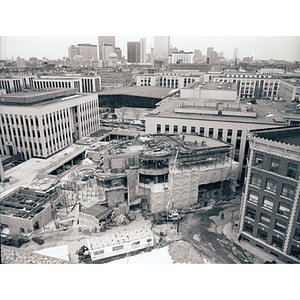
{"type": "Point", "coordinates": [175, 128]}
{"type": "Point", "coordinates": [220, 134]}
{"type": "Point", "coordinates": [253, 197]}
{"type": "Point", "coordinates": [229, 132]}
{"type": "Point", "coordinates": [158, 128]}
{"type": "Point", "coordinates": [262, 234]}
{"type": "Point", "coordinates": [248, 228]}
{"type": "Point", "coordinates": [193, 130]}
{"type": "Point", "coordinates": [274, 165]}
{"type": "Point", "coordinates": [297, 235]}
{"type": "Point", "coordinates": [284, 209]}
{"type": "Point", "coordinates": [258, 160]}
{"type": "Point", "coordinates": [288, 191]}
{"type": "Point", "coordinates": [256, 180]}
{"type": "Point", "coordinates": [184, 129]}
{"type": "Point", "coordinates": [280, 226]}
{"type": "Point", "coordinates": [239, 133]}
{"type": "Point", "coordinates": [250, 213]}
{"type": "Point", "coordinates": [201, 133]}
{"type": "Point", "coordinates": [98, 252]}
{"type": "Point", "coordinates": [271, 185]}
{"type": "Point", "coordinates": [167, 128]}
{"type": "Point", "coordinates": [116, 248]}
{"type": "Point", "coordinates": [149, 240]}
{"type": "Point", "coordinates": [264, 219]}
{"type": "Point", "coordinates": [277, 242]}
{"type": "Point", "coordinates": [211, 132]}
{"type": "Point", "coordinates": [292, 171]}
{"type": "Point", "coordinates": [268, 203]}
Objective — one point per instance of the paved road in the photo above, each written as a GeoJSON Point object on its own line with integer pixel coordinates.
{"type": "Point", "coordinates": [204, 231]}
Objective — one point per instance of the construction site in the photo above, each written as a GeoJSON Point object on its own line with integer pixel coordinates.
{"type": "Point", "coordinates": [98, 187]}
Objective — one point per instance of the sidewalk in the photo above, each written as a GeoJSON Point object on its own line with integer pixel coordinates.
{"type": "Point", "coordinates": [232, 234]}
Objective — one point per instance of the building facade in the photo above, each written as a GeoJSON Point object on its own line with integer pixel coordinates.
{"type": "Point", "coordinates": [105, 40]}
{"type": "Point", "coordinates": [169, 80]}
{"type": "Point", "coordinates": [133, 52]}
{"type": "Point", "coordinates": [179, 57]}
{"type": "Point", "coordinates": [115, 79]}
{"type": "Point", "coordinates": [161, 47]}
{"type": "Point", "coordinates": [83, 84]}
{"type": "Point", "coordinates": [38, 124]}
{"type": "Point", "coordinates": [270, 209]}
{"type": "Point", "coordinates": [289, 90]}
{"type": "Point", "coordinates": [249, 85]}
{"type": "Point", "coordinates": [14, 84]}
{"type": "Point", "coordinates": [88, 51]}
{"type": "Point", "coordinates": [143, 50]}
{"type": "Point", "coordinates": [72, 51]}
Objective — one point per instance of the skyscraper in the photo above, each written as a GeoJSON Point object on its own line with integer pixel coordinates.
{"type": "Point", "coordinates": [88, 51]}
{"type": "Point", "coordinates": [161, 47]}
{"type": "Point", "coordinates": [143, 50]}
{"type": "Point", "coordinates": [72, 51]}
{"type": "Point", "coordinates": [235, 53]}
{"type": "Point", "coordinates": [133, 52]}
{"type": "Point", "coordinates": [105, 40]}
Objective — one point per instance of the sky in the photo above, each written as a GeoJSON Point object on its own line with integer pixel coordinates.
{"type": "Point", "coordinates": [54, 47]}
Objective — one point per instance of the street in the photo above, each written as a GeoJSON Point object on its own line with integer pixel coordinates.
{"type": "Point", "coordinates": [204, 231]}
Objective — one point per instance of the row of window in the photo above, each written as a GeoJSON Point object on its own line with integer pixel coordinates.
{"type": "Point", "coordinates": [201, 132]}
{"type": "Point", "coordinates": [283, 209]}
{"type": "Point", "coordinates": [271, 185]}
{"type": "Point", "coordinates": [274, 166]}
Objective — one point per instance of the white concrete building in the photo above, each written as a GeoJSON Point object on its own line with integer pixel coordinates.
{"type": "Point", "coordinates": [181, 57]}
{"type": "Point", "coordinates": [84, 84]}
{"type": "Point", "coordinates": [38, 124]}
{"type": "Point", "coordinates": [289, 90]}
{"type": "Point", "coordinates": [14, 84]}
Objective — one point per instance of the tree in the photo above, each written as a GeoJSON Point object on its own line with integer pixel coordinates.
{"type": "Point", "coordinates": [122, 113]}
{"type": "Point", "coordinates": [137, 113]}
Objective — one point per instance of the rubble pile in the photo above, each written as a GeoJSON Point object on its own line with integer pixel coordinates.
{"type": "Point", "coordinates": [17, 256]}
{"type": "Point", "coordinates": [184, 253]}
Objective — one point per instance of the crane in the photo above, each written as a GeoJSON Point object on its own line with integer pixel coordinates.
{"type": "Point", "coordinates": [171, 199]}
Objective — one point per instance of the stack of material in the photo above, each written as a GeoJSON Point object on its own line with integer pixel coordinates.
{"type": "Point", "coordinates": [121, 219]}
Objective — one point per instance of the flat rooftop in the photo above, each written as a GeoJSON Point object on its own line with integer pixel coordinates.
{"type": "Point", "coordinates": [287, 135]}
{"type": "Point", "coordinates": [120, 237]}
{"type": "Point", "coordinates": [213, 86]}
{"type": "Point", "coordinates": [293, 83]}
{"type": "Point", "coordinates": [267, 112]}
{"type": "Point", "coordinates": [140, 91]}
{"type": "Point", "coordinates": [38, 97]}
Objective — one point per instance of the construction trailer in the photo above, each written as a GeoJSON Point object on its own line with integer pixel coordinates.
{"type": "Point", "coordinates": [122, 242]}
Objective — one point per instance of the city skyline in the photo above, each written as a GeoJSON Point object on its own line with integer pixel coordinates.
{"type": "Point", "coordinates": [260, 47]}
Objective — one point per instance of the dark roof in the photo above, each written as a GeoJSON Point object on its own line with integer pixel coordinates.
{"type": "Point", "coordinates": [98, 211]}
{"type": "Point", "coordinates": [288, 135]}
{"type": "Point", "coordinates": [141, 91]}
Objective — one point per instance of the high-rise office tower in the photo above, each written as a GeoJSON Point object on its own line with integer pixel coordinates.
{"type": "Point", "coordinates": [72, 51]}
{"type": "Point", "coordinates": [88, 51]}
{"type": "Point", "coordinates": [118, 51]}
{"type": "Point", "coordinates": [161, 47]}
{"type": "Point", "coordinates": [235, 53]}
{"type": "Point", "coordinates": [105, 40]}
{"type": "Point", "coordinates": [133, 52]}
{"type": "Point", "coordinates": [143, 50]}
